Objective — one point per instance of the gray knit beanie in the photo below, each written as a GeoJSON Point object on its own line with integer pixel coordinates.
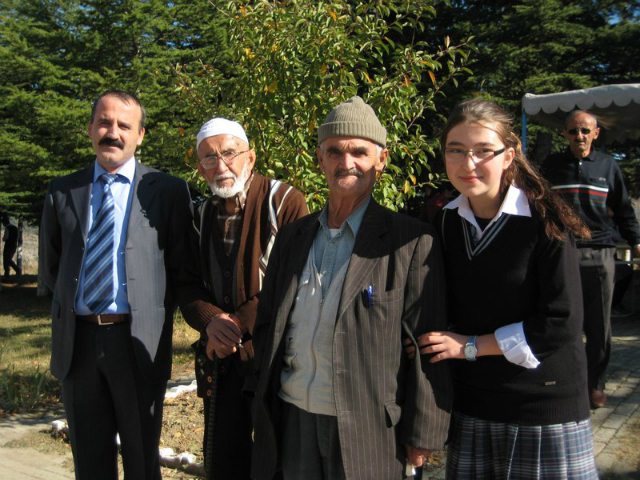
{"type": "Point", "coordinates": [353, 118]}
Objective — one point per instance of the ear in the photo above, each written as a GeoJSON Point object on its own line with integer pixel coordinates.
{"type": "Point", "coordinates": [252, 158]}
{"type": "Point", "coordinates": [320, 157]}
{"type": "Point", "coordinates": [382, 161]}
{"type": "Point", "coordinates": [509, 155]}
{"type": "Point", "coordinates": [141, 136]}
{"type": "Point", "coordinates": [596, 133]}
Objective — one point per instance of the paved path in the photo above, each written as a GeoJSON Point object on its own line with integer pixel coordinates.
{"type": "Point", "coordinates": [27, 463]}
{"type": "Point", "coordinates": [616, 427]}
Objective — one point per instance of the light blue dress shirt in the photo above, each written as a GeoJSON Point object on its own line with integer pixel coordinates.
{"type": "Point", "coordinates": [122, 191]}
{"type": "Point", "coordinates": [333, 247]}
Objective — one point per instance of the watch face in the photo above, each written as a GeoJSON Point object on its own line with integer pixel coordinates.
{"type": "Point", "coordinates": [470, 351]}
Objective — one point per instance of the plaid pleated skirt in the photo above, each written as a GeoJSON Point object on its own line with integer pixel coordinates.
{"type": "Point", "coordinates": [482, 449]}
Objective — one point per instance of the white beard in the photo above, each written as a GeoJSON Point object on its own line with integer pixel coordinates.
{"type": "Point", "coordinates": [236, 188]}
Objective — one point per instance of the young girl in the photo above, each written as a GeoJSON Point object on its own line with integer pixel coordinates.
{"type": "Point", "coordinates": [521, 408]}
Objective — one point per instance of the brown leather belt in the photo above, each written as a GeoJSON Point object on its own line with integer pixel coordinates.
{"type": "Point", "coordinates": [105, 318]}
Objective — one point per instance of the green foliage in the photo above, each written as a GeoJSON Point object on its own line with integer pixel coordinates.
{"type": "Point", "coordinates": [279, 67]}
{"type": "Point", "coordinates": [56, 57]}
{"type": "Point", "coordinates": [543, 46]}
{"type": "Point", "coordinates": [294, 61]}
{"type": "Point", "coordinates": [26, 391]}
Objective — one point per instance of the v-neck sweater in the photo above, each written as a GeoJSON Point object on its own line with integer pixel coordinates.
{"type": "Point", "coordinates": [516, 273]}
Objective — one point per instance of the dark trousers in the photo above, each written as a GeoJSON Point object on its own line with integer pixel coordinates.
{"type": "Point", "coordinates": [232, 442]}
{"type": "Point", "coordinates": [104, 394]}
{"type": "Point", "coordinates": [7, 260]}
{"type": "Point", "coordinates": [310, 446]}
{"type": "Point", "coordinates": [597, 269]}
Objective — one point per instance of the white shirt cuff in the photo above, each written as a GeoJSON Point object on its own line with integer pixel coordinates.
{"type": "Point", "coordinates": [513, 344]}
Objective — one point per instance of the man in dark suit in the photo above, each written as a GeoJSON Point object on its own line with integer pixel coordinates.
{"type": "Point", "coordinates": [111, 245]}
{"type": "Point", "coordinates": [337, 397]}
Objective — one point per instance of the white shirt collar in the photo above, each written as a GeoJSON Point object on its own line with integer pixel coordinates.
{"type": "Point", "coordinates": [128, 170]}
{"type": "Point", "coordinates": [515, 203]}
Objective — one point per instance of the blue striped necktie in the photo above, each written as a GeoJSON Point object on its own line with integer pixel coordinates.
{"type": "Point", "coordinates": [98, 271]}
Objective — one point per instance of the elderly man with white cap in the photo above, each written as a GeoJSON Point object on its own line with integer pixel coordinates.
{"type": "Point", "coordinates": [234, 231]}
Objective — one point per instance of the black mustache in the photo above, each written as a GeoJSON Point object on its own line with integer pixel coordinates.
{"type": "Point", "coordinates": [351, 171]}
{"type": "Point", "coordinates": [111, 142]}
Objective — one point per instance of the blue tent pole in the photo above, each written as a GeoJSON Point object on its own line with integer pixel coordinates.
{"type": "Point", "coordinates": [524, 132]}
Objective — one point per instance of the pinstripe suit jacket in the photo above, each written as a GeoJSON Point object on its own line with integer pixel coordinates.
{"type": "Point", "coordinates": [383, 398]}
{"type": "Point", "coordinates": [160, 216]}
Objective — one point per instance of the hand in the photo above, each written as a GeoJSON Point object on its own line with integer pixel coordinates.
{"type": "Point", "coordinates": [409, 348]}
{"type": "Point", "coordinates": [417, 456]}
{"type": "Point", "coordinates": [444, 345]}
{"type": "Point", "coordinates": [223, 335]}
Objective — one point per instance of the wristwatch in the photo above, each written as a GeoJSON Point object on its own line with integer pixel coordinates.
{"type": "Point", "coordinates": [470, 349]}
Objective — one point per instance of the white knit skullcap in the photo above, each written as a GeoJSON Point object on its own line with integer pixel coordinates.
{"type": "Point", "coordinates": [221, 126]}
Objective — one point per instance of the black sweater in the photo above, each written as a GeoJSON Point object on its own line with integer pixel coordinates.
{"type": "Point", "coordinates": [591, 185]}
{"type": "Point", "coordinates": [517, 274]}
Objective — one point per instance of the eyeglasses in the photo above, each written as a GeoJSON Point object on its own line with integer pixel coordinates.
{"type": "Point", "coordinates": [583, 130]}
{"type": "Point", "coordinates": [211, 161]}
{"type": "Point", "coordinates": [459, 154]}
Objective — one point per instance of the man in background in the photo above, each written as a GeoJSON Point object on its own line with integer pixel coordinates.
{"type": "Point", "coordinates": [10, 240]}
{"type": "Point", "coordinates": [592, 183]}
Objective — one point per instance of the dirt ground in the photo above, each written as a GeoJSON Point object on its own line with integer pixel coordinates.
{"type": "Point", "coordinates": [182, 429]}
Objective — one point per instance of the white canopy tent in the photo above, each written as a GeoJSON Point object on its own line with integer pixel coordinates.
{"type": "Point", "coordinates": [617, 107]}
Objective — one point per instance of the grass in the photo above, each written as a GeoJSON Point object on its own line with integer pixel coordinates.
{"type": "Point", "coordinates": [25, 345]}
{"type": "Point", "coordinates": [26, 383]}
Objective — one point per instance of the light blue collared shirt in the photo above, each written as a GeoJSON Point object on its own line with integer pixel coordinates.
{"type": "Point", "coordinates": [122, 191]}
{"type": "Point", "coordinates": [333, 247]}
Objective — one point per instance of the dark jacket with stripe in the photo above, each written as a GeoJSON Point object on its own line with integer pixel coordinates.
{"type": "Point", "coordinates": [593, 186]}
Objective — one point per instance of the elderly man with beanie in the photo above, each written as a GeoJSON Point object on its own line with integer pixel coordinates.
{"type": "Point", "coordinates": [232, 238]}
{"type": "Point", "coordinates": [337, 397]}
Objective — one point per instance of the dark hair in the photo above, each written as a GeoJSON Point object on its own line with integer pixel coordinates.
{"type": "Point", "coordinates": [558, 217]}
{"type": "Point", "coordinates": [126, 97]}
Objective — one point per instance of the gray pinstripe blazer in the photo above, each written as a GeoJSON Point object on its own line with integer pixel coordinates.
{"type": "Point", "coordinates": [383, 398]}
{"type": "Point", "coordinates": [160, 216]}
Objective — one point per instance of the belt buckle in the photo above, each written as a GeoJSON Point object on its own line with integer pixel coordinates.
{"type": "Point", "coordinates": [100, 322]}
